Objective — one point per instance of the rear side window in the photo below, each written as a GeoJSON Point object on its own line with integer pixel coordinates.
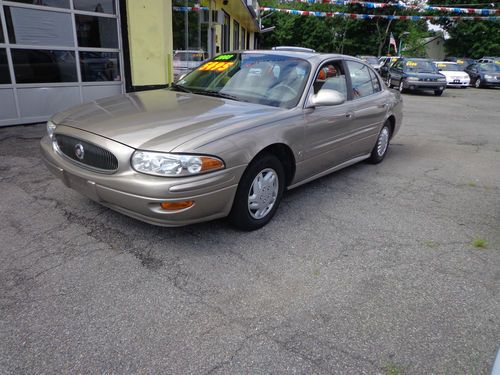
{"type": "Point", "coordinates": [361, 80]}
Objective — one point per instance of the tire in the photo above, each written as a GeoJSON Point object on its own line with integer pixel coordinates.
{"type": "Point", "coordinates": [243, 215]}
{"type": "Point", "coordinates": [438, 92]}
{"type": "Point", "coordinates": [380, 150]}
{"type": "Point", "coordinates": [401, 87]}
{"type": "Point", "coordinates": [478, 83]}
{"type": "Point", "coordinates": [388, 81]}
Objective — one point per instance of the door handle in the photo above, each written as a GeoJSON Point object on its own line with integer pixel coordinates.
{"type": "Point", "coordinates": [349, 114]}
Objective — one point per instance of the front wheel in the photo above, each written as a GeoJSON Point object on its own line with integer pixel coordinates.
{"type": "Point", "coordinates": [438, 92]}
{"type": "Point", "coordinates": [259, 193]}
{"type": "Point", "coordinates": [382, 145]}
{"type": "Point", "coordinates": [478, 83]}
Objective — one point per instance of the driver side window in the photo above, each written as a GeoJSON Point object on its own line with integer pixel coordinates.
{"type": "Point", "coordinates": [331, 76]}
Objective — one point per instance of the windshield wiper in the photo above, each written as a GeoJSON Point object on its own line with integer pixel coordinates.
{"type": "Point", "coordinates": [180, 88]}
{"type": "Point", "coordinates": [219, 94]}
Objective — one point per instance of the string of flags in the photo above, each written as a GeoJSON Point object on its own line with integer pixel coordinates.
{"type": "Point", "coordinates": [359, 16]}
{"type": "Point", "coordinates": [373, 5]}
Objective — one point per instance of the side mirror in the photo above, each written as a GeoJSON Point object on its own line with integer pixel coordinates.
{"type": "Point", "coordinates": [326, 97]}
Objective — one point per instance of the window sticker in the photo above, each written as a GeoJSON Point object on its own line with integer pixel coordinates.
{"type": "Point", "coordinates": [497, 62]}
{"type": "Point", "coordinates": [411, 63]}
{"type": "Point", "coordinates": [441, 65]}
{"type": "Point", "coordinates": [224, 57]}
{"type": "Point", "coordinates": [216, 66]}
{"type": "Point", "coordinates": [460, 61]}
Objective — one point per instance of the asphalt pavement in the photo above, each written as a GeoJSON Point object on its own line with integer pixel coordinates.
{"type": "Point", "coordinates": [385, 269]}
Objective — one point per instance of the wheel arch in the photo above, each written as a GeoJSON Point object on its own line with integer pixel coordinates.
{"type": "Point", "coordinates": [285, 154]}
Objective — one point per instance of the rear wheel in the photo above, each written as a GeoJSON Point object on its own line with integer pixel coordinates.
{"type": "Point", "coordinates": [382, 145]}
{"type": "Point", "coordinates": [388, 81]}
{"type": "Point", "coordinates": [259, 193]}
{"type": "Point", "coordinates": [438, 92]}
{"type": "Point", "coordinates": [401, 87]}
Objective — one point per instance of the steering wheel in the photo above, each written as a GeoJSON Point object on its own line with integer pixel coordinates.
{"type": "Point", "coordinates": [291, 90]}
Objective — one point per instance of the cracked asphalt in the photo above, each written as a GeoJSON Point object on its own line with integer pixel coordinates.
{"type": "Point", "coordinates": [370, 270]}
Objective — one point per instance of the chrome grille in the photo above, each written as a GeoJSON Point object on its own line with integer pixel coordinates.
{"type": "Point", "coordinates": [88, 153]}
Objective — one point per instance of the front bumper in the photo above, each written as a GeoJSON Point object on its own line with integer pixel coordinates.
{"type": "Point", "coordinates": [458, 83]}
{"type": "Point", "coordinates": [491, 83]}
{"type": "Point", "coordinates": [424, 85]}
{"type": "Point", "coordinates": [139, 195]}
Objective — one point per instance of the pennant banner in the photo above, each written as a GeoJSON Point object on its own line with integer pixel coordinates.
{"type": "Point", "coordinates": [372, 5]}
{"type": "Point", "coordinates": [358, 16]}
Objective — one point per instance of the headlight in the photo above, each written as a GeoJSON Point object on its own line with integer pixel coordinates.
{"type": "Point", "coordinates": [51, 127]}
{"type": "Point", "coordinates": [487, 76]}
{"type": "Point", "coordinates": [411, 78]}
{"type": "Point", "coordinates": [174, 165]}
{"type": "Point", "coordinates": [441, 79]}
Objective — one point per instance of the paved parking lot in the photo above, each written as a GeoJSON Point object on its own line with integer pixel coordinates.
{"type": "Point", "coordinates": [371, 270]}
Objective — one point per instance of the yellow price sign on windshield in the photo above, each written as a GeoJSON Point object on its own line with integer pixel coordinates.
{"type": "Point", "coordinates": [441, 65]}
{"type": "Point", "coordinates": [497, 62]}
{"type": "Point", "coordinates": [411, 63]}
{"type": "Point", "coordinates": [460, 61]}
{"type": "Point", "coordinates": [215, 66]}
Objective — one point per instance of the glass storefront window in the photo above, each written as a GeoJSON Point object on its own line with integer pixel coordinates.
{"type": "Point", "coordinates": [4, 68]}
{"type": "Point", "coordinates": [243, 38]}
{"type": "Point", "coordinates": [2, 40]}
{"type": "Point", "coordinates": [99, 6]}
{"type": "Point", "coordinates": [226, 32]}
{"type": "Point", "coordinates": [190, 28]}
{"type": "Point", "coordinates": [100, 66]}
{"type": "Point", "coordinates": [97, 32]}
{"type": "Point", "coordinates": [44, 66]}
{"type": "Point", "coordinates": [48, 3]}
{"type": "Point", "coordinates": [236, 36]}
{"type": "Point", "coordinates": [55, 30]}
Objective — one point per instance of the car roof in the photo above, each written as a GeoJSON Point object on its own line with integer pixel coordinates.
{"type": "Point", "coordinates": [445, 62]}
{"type": "Point", "coordinates": [310, 56]}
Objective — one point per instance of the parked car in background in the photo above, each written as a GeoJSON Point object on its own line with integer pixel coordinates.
{"type": "Point", "coordinates": [385, 63]}
{"type": "Point", "coordinates": [187, 60]}
{"type": "Point", "coordinates": [463, 62]}
{"type": "Point", "coordinates": [489, 59]}
{"type": "Point", "coordinates": [455, 76]}
{"type": "Point", "coordinates": [227, 139]}
{"type": "Point", "coordinates": [484, 74]}
{"type": "Point", "coordinates": [372, 60]}
{"type": "Point", "coordinates": [416, 74]}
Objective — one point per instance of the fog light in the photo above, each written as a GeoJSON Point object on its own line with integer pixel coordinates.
{"type": "Point", "coordinates": [175, 206]}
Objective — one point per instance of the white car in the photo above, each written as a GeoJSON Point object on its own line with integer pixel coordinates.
{"type": "Point", "coordinates": [455, 76]}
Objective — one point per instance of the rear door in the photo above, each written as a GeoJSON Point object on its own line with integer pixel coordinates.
{"type": "Point", "coordinates": [368, 105]}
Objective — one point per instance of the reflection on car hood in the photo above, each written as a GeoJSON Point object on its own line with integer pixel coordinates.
{"type": "Point", "coordinates": [425, 75]}
{"type": "Point", "coordinates": [161, 119]}
{"type": "Point", "coordinates": [453, 73]}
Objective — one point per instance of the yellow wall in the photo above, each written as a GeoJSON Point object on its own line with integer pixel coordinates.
{"type": "Point", "coordinates": [150, 41]}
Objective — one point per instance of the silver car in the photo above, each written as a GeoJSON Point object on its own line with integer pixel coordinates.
{"type": "Point", "coordinates": [227, 139]}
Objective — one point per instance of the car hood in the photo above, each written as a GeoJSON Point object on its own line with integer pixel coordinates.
{"type": "Point", "coordinates": [451, 73]}
{"type": "Point", "coordinates": [425, 75]}
{"type": "Point", "coordinates": [160, 120]}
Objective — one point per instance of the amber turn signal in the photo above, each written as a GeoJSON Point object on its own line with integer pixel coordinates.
{"type": "Point", "coordinates": [175, 206]}
{"type": "Point", "coordinates": [208, 163]}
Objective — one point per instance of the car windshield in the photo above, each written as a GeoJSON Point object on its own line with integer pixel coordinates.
{"type": "Point", "coordinates": [490, 67]}
{"type": "Point", "coordinates": [420, 66]}
{"type": "Point", "coordinates": [260, 78]}
{"type": "Point", "coordinates": [449, 67]}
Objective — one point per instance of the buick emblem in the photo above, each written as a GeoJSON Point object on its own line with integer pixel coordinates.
{"type": "Point", "coordinates": [79, 151]}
